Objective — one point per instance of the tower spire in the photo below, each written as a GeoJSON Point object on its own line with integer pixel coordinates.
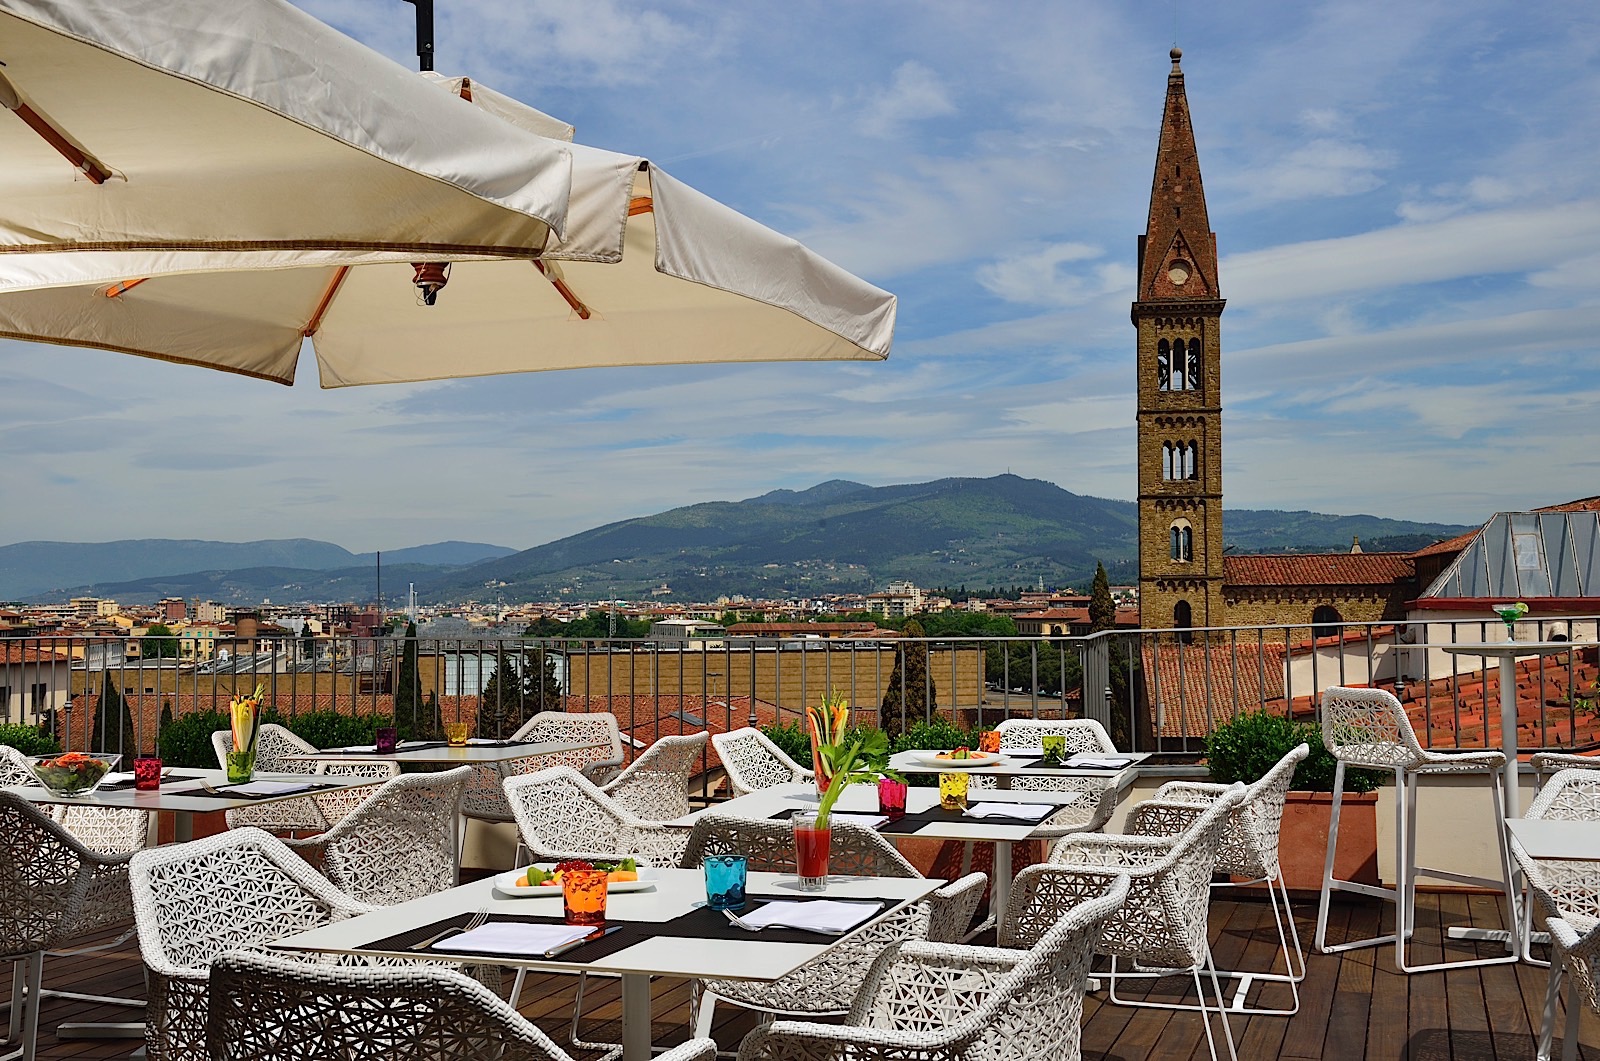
{"type": "Point", "coordinates": [1178, 315]}
{"type": "Point", "coordinates": [1178, 252]}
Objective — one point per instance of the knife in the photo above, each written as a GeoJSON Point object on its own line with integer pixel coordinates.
{"type": "Point", "coordinates": [599, 933]}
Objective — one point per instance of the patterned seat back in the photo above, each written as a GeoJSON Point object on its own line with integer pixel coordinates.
{"type": "Point", "coordinates": [400, 843]}
{"type": "Point", "coordinates": [655, 786]}
{"type": "Point", "coordinates": [753, 762]}
{"type": "Point", "coordinates": [1368, 727]}
{"type": "Point", "coordinates": [559, 812]}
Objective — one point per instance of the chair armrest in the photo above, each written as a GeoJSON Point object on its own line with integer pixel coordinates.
{"type": "Point", "coordinates": [1190, 791]}
{"type": "Point", "coordinates": [950, 909]}
{"type": "Point", "coordinates": [786, 1040]}
{"type": "Point", "coordinates": [1110, 851]}
{"type": "Point", "coordinates": [1043, 893]}
{"type": "Point", "coordinates": [602, 771]}
{"type": "Point", "coordinates": [693, 1050]}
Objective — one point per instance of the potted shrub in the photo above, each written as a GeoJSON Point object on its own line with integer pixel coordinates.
{"type": "Point", "coordinates": [1247, 746]}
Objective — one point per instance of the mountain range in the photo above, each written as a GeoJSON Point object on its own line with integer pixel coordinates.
{"type": "Point", "coordinates": [836, 537]}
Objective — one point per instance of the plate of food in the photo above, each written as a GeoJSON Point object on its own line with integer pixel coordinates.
{"type": "Point", "coordinates": [958, 758]}
{"type": "Point", "coordinates": [544, 878]}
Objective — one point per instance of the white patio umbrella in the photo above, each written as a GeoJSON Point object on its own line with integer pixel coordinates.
{"type": "Point", "coordinates": [648, 271]}
{"type": "Point", "coordinates": [247, 125]}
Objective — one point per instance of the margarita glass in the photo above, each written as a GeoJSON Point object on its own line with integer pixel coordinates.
{"type": "Point", "coordinates": [1509, 614]}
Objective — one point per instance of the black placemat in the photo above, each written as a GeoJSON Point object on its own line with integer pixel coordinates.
{"type": "Point", "coordinates": [700, 923]}
{"type": "Point", "coordinates": [913, 821]}
{"type": "Point", "coordinates": [1040, 764]}
{"type": "Point", "coordinates": [219, 793]}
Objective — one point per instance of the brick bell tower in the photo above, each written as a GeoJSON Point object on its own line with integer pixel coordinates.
{"type": "Point", "coordinates": [1178, 315]}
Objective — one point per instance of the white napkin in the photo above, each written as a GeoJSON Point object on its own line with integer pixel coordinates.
{"type": "Point", "coordinates": [817, 915]}
{"type": "Point", "coordinates": [513, 937]}
{"type": "Point", "coordinates": [352, 748]}
{"type": "Point", "coordinates": [266, 788]}
{"type": "Point", "coordinates": [1099, 761]}
{"type": "Point", "coordinates": [1031, 812]}
{"type": "Point", "coordinates": [870, 821]}
{"type": "Point", "coordinates": [117, 777]}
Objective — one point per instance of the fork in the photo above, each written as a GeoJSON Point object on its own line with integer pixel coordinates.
{"type": "Point", "coordinates": [478, 920]}
{"type": "Point", "coordinates": [735, 919]}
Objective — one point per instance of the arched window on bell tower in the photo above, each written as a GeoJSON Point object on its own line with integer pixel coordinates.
{"type": "Point", "coordinates": [1191, 456]}
{"type": "Point", "coordinates": [1181, 537]}
{"type": "Point", "coordinates": [1183, 620]}
{"type": "Point", "coordinates": [1191, 367]}
{"type": "Point", "coordinates": [1164, 365]}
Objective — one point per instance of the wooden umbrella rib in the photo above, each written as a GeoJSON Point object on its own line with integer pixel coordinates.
{"type": "Point", "coordinates": [560, 285]}
{"type": "Point", "coordinates": [68, 150]}
{"type": "Point", "coordinates": [640, 204]}
{"type": "Point", "coordinates": [117, 289]}
{"type": "Point", "coordinates": [315, 323]}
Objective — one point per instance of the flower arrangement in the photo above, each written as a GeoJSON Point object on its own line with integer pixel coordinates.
{"type": "Point", "coordinates": [244, 715]}
{"type": "Point", "coordinates": [844, 761]}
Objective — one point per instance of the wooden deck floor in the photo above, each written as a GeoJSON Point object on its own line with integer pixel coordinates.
{"type": "Point", "coordinates": [1353, 1006]}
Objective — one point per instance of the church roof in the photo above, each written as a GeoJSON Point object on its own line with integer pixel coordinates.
{"type": "Point", "coordinates": [1316, 569]}
{"type": "Point", "coordinates": [1178, 252]}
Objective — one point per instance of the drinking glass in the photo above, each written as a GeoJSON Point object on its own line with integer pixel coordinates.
{"type": "Point", "coordinates": [810, 851]}
{"type": "Point", "coordinates": [989, 741]}
{"type": "Point", "coordinates": [146, 773]}
{"type": "Point", "coordinates": [387, 738]}
{"type": "Point", "coordinates": [583, 896]}
{"type": "Point", "coordinates": [725, 877]}
{"type": "Point", "coordinates": [891, 798]}
{"type": "Point", "coordinates": [455, 734]}
{"type": "Point", "coordinates": [953, 790]}
{"type": "Point", "coordinates": [1055, 747]}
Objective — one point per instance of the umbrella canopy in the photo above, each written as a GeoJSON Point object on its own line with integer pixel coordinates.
{"type": "Point", "coordinates": [191, 124]}
{"type": "Point", "coordinates": [648, 271]}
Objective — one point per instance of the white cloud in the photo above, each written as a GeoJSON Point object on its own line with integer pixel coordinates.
{"type": "Point", "coordinates": [914, 93]}
{"type": "Point", "coordinates": [1321, 169]}
{"type": "Point", "coordinates": [1486, 243]}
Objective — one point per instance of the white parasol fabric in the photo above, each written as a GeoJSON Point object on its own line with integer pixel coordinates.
{"type": "Point", "coordinates": [246, 125]}
{"type": "Point", "coordinates": [648, 272]}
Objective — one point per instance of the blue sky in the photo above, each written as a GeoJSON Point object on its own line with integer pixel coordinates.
{"type": "Point", "coordinates": [1404, 197]}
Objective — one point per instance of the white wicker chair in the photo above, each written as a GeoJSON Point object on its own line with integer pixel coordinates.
{"type": "Point", "coordinates": [1163, 922]}
{"type": "Point", "coordinates": [827, 985]}
{"type": "Point", "coordinates": [1569, 795]}
{"type": "Point", "coordinates": [240, 889]}
{"type": "Point", "coordinates": [1250, 850]}
{"type": "Point", "coordinates": [1368, 728]}
{"type": "Point", "coordinates": [108, 830]}
{"type": "Point", "coordinates": [1546, 763]}
{"type": "Point", "coordinates": [937, 1002]}
{"type": "Point", "coordinates": [752, 762]}
{"type": "Point", "coordinates": [310, 813]}
{"type": "Point", "coordinates": [655, 786]}
{"type": "Point", "coordinates": [485, 798]}
{"type": "Point", "coordinates": [268, 1009]}
{"type": "Point", "coordinates": [561, 814]}
{"type": "Point", "coordinates": [55, 888]}
{"type": "Point", "coordinates": [1567, 893]}
{"type": "Point", "coordinates": [400, 844]}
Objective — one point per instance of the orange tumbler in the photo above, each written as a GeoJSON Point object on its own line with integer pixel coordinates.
{"type": "Point", "coordinates": [583, 895]}
{"type": "Point", "coordinates": [989, 741]}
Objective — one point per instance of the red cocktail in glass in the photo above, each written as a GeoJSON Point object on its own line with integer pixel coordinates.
{"type": "Point", "coordinates": [810, 851]}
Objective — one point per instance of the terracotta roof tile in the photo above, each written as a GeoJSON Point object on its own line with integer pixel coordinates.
{"type": "Point", "coordinates": [1316, 569]}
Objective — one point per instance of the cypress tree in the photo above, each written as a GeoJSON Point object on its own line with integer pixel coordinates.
{"type": "Point", "coordinates": [1102, 608]}
{"type": "Point", "coordinates": [113, 724]}
{"type": "Point", "coordinates": [911, 696]}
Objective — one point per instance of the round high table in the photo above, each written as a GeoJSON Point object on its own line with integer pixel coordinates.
{"type": "Point", "coordinates": [1507, 652]}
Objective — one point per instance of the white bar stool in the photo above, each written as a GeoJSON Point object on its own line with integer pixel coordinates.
{"type": "Point", "coordinates": [1367, 728]}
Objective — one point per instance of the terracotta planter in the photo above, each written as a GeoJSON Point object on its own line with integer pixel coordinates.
{"type": "Point", "coordinates": [1303, 844]}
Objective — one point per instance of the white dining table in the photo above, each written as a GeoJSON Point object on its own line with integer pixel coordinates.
{"type": "Point", "coordinates": [1024, 763]}
{"type": "Point", "coordinates": [767, 803]}
{"type": "Point", "coordinates": [675, 892]}
{"type": "Point", "coordinates": [440, 754]}
{"type": "Point", "coordinates": [1557, 839]}
{"type": "Point", "coordinates": [186, 792]}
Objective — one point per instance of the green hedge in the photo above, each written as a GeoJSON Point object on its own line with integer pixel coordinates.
{"type": "Point", "coordinates": [29, 740]}
{"type": "Point", "coordinates": [1246, 747]}
{"type": "Point", "coordinates": [186, 740]}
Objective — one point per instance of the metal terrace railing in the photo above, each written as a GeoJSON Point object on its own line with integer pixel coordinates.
{"type": "Point", "coordinates": [1159, 691]}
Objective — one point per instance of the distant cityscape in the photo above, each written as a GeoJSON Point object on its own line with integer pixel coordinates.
{"type": "Point", "coordinates": [198, 631]}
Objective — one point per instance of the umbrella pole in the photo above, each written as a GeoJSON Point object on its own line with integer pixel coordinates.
{"type": "Point", "coordinates": [51, 135]}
